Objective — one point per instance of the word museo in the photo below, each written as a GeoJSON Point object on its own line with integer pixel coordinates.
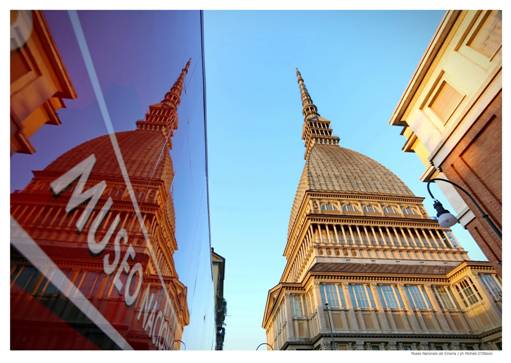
{"type": "Point", "coordinates": [120, 264]}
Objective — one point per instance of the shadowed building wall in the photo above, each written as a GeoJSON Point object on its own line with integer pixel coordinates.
{"type": "Point", "coordinates": [218, 267]}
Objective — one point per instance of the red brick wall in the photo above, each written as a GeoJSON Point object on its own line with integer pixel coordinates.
{"type": "Point", "coordinates": [476, 164]}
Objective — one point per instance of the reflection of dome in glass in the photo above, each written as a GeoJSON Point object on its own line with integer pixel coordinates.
{"type": "Point", "coordinates": [337, 169]}
{"type": "Point", "coordinates": [144, 153]}
{"type": "Point", "coordinates": [144, 150]}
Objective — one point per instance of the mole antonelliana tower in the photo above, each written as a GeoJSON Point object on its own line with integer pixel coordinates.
{"type": "Point", "coordinates": [155, 319]}
{"type": "Point", "coordinates": [367, 268]}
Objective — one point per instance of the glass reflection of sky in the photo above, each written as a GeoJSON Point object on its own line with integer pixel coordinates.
{"type": "Point", "coordinates": [138, 56]}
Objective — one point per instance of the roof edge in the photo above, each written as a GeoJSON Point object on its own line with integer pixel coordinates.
{"type": "Point", "coordinates": [427, 59]}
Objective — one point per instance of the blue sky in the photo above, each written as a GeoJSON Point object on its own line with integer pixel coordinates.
{"type": "Point", "coordinates": [356, 66]}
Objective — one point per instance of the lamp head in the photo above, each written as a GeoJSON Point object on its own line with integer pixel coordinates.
{"type": "Point", "coordinates": [445, 218]}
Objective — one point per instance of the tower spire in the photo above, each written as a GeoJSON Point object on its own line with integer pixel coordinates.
{"type": "Point", "coordinates": [162, 116]}
{"type": "Point", "coordinates": [309, 109]}
{"type": "Point", "coordinates": [316, 129]}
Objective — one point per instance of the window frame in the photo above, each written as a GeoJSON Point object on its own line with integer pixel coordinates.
{"type": "Point", "coordinates": [418, 295]}
{"type": "Point", "coordinates": [361, 293]}
{"type": "Point", "coordinates": [332, 293]}
{"type": "Point", "coordinates": [496, 289]}
{"type": "Point", "coordinates": [442, 291]}
{"type": "Point", "coordinates": [394, 294]}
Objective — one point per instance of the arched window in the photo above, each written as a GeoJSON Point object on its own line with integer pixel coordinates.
{"type": "Point", "coordinates": [409, 211]}
{"type": "Point", "coordinates": [369, 208]}
{"type": "Point", "coordinates": [388, 209]}
{"type": "Point", "coordinates": [347, 207]}
{"type": "Point", "coordinates": [327, 206]}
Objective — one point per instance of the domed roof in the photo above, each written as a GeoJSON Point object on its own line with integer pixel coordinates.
{"type": "Point", "coordinates": [331, 168]}
{"type": "Point", "coordinates": [144, 153]}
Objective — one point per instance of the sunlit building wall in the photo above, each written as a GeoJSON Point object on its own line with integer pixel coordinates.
{"type": "Point", "coordinates": [39, 80]}
{"type": "Point", "coordinates": [367, 268]}
{"type": "Point", "coordinates": [451, 117]}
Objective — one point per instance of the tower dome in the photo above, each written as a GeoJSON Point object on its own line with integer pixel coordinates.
{"type": "Point", "coordinates": [335, 168]}
{"type": "Point", "coordinates": [331, 168]}
{"type": "Point", "coordinates": [143, 151]}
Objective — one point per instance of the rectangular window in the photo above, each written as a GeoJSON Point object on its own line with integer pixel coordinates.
{"type": "Point", "coordinates": [333, 295]}
{"type": "Point", "coordinates": [444, 297]}
{"type": "Point", "coordinates": [462, 296]}
{"type": "Point", "coordinates": [361, 296]}
{"type": "Point", "coordinates": [417, 297]}
{"type": "Point", "coordinates": [389, 297]}
{"type": "Point", "coordinates": [296, 304]}
{"type": "Point", "coordinates": [468, 291]}
{"type": "Point", "coordinates": [490, 282]}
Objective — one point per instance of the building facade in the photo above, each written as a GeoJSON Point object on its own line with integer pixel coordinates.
{"type": "Point", "coordinates": [218, 268]}
{"type": "Point", "coordinates": [101, 274]}
{"type": "Point", "coordinates": [39, 80]}
{"type": "Point", "coordinates": [451, 115]}
{"type": "Point", "coordinates": [367, 268]}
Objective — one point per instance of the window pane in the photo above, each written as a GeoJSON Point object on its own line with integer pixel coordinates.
{"type": "Point", "coordinates": [444, 297]}
{"type": "Point", "coordinates": [358, 295]}
{"type": "Point", "coordinates": [296, 305]}
{"type": "Point", "coordinates": [398, 294]}
{"type": "Point", "coordinates": [415, 297]}
{"type": "Point", "coordinates": [329, 295]}
{"type": "Point", "coordinates": [387, 297]}
{"type": "Point", "coordinates": [491, 284]}
{"type": "Point", "coordinates": [469, 291]}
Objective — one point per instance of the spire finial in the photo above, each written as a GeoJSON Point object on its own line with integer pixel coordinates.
{"type": "Point", "coordinates": [163, 115]}
{"type": "Point", "coordinates": [316, 129]}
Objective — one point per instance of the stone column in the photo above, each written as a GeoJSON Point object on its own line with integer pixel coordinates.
{"type": "Point", "coordinates": [392, 345]}
{"type": "Point", "coordinates": [455, 346]}
{"type": "Point", "coordinates": [289, 317]}
{"type": "Point", "coordinates": [423, 346]}
{"type": "Point", "coordinates": [359, 345]}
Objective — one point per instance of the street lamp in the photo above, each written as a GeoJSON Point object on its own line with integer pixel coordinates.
{"type": "Point", "coordinates": [446, 219]}
{"type": "Point", "coordinates": [331, 326]}
{"type": "Point", "coordinates": [271, 348]}
{"type": "Point", "coordinates": [180, 341]}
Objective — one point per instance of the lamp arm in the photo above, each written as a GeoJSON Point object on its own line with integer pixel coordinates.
{"type": "Point", "coordinates": [460, 188]}
{"type": "Point", "coordinates": [268, 344]}
{"type": "Point", "coordinates": [485, 215]}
